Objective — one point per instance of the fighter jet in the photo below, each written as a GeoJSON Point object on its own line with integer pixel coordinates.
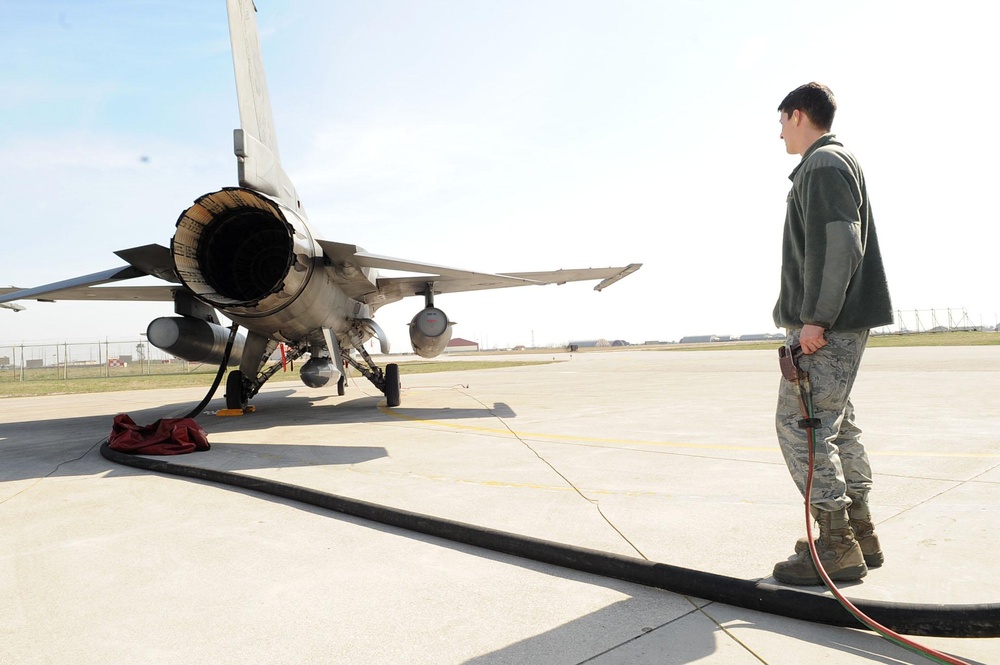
{"type": "Point", "coordinates": [249, 252]}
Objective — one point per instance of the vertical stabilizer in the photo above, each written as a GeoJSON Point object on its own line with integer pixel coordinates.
{"type": "Point", "coordinates": [255, 144]}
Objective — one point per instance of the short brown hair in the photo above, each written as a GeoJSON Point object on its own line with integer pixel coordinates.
{"type": "Point", "coordinates": [815, 100]}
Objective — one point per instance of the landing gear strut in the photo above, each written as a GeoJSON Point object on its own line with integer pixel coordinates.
{"type": "Point", "coordinates": [240, 390]}
{"type": "Point", "coordinates": [387, 381]}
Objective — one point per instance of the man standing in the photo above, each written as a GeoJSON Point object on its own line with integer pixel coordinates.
{"type": "Point", "coordinates": [833, 290]}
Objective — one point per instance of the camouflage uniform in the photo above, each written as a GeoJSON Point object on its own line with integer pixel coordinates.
{"type": "Point", "coordinates": [842, 471]}
{"type": "Point", "coordinates": [831, 276]}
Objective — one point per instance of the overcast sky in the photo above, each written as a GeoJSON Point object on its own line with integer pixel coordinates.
{"type": "Point", "coordinates": [506, 136]}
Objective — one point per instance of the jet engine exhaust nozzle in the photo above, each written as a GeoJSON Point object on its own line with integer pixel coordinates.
{"type": "Point", "coordinates": [240, 251]}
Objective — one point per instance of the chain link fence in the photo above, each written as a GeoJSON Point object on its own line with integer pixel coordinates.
{"type": "Point", "coordinates": [90, 360]}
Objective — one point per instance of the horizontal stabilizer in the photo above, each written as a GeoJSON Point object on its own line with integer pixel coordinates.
{"type": "Point", "coordinates": [155, 260]}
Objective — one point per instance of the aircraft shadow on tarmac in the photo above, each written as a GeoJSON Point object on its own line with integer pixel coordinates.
{"type": "Point", "coordinates": [34, 449]}
{"type": "Point", "coordinates": [290, 408]}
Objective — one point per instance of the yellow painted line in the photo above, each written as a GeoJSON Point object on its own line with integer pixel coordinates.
{"type": "Point", "coordinates": [656, 444]}
{"type": "Point", "coordinates": [562, 437]}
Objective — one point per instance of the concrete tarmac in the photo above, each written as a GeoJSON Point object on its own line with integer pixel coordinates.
{"type": "Point", "coordinates": [664, 455]}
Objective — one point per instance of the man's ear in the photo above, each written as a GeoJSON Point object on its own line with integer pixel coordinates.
{"type": "Point", "coordinates": [796, 117]}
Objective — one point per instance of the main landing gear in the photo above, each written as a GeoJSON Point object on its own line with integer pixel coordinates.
{"type": "Point", "coordinates": [240, 389]}
{"type": "Point", "coordinates": [391, 388]}
{"type": "Point", "coordinates": [386, 381]}
{"type": "Point", "coordinates": [237, 391]}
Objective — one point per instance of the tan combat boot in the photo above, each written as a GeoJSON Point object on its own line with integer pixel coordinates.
{"type": "Point", "coordinates": [839, 553]}
{"type": "Point", "coordinates": [860, 518]}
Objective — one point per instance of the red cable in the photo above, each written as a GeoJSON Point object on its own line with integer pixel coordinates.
{"type": "Point", "coordinates": [848, 605]}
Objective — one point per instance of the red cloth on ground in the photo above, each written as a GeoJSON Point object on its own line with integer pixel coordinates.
{"type": "Point", "coordinates": [167, 436]}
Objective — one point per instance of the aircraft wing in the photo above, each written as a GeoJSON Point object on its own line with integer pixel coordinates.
{"type": "Point", "coordinates": [151, 260]}
{"type": "Point", "coordinates": [608, 276]}
{"type": "Point", "coordinates": [74, 289]}
{"type": "Point", "coordinates": [454, 280]}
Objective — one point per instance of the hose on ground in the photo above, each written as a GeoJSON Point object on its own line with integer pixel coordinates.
{"type": "Point", "coordinates": [218, 375]}
{"type": "Point", "coordinates": [930, 620]}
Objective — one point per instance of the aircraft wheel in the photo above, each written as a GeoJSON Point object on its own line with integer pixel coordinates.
{"type": "Point", "coordinates": [235, 392]}
{"type": "Point", "coordinates": [392, 384]}
{"type": "Point", "coordinates": [341, 385]}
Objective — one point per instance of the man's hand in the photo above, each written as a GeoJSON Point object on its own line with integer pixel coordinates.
{"type": "Point", "coordinates": [812, 339]}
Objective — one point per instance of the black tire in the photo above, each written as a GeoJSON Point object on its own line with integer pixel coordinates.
{"type": "Point", "coordinates": [392, 385]}
{"type": "Point", "coordinates": [341, 385]}
{"type": "Point", "coordinates": [235, 395]}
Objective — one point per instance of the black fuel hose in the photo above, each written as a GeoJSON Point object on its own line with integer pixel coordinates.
{"type": "Point", "coordinates": [909, 619]}
{"type": "Point", "coordinates": [218, 375]}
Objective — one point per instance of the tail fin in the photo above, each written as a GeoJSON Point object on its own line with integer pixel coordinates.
{"type": "Point", "coordinates": [255, 143]}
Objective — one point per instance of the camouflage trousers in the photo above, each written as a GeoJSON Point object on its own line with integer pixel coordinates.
{"type": "Point", "coordinates": [843, 472]}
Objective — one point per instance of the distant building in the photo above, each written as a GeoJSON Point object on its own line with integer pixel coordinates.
{"type": "Point", "coordinates": [458, 345]}
{"type": "Point", "coordinates": [699, 339]}
{"type": "Point", "coordinates": [589, 343]}
{"type": "Point", "coordinates": [600, 343]}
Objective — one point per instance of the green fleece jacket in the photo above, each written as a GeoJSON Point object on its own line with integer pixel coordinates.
{"type": "Point", "coordinates": [831, 267]}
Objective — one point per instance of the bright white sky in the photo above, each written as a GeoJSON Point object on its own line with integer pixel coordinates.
{"type": "Point", "coordinates": [506, 136]}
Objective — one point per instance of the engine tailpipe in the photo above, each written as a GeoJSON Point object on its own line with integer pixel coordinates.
{"type": "Point", "coordinates": [430, 332]}
{"type": "Point", "coordinates": [194, 340]}
{"type": "Point", "coordinates": [238, 250]}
